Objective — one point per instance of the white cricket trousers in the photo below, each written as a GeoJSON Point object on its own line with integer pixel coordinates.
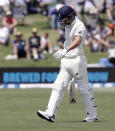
{"type": "Point", "coordinates": [72, 67]}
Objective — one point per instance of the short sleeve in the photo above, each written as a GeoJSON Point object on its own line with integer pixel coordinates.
{"type": "Point", "coordinates": [80, 30]}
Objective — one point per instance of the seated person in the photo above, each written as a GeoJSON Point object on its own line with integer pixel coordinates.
{"type": "Point", "coordinates": [60, 41]}
{"type": "Point", "coordinates": [91, 20]}
{"type": "Point", "coordinates": [46, 44]}
{"type": "Point", "coordinates": [4, 35]}
{"type": "Point", "coordinates": [5, 5]}
{"type": "Point", "coordinates": [10, 22]}
{"type": "Point", "coordinates": [111, 17]}
{"type": "Point", "coordinates": [91, 42]}
{"type": "Point", "coordinates": [20, 10]}
{"type": "Point", "coordinates": [110, 10]}
{"type": "Point", "coordinates": [20, 47]}
{"type": "Point", "coordinates": [102, 34]}
{"type": "Point", "coordinates": [112, 27]}
{"type": "Point", "coordinates": [34, 43]}
{"type": "Point", "coordinates": [89, 6]}
{"type": "Point", "coordinates": [45, 4]}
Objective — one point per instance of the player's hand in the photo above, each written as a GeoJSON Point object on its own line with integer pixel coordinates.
{"type": "Point", "coordinates": [60, 54]}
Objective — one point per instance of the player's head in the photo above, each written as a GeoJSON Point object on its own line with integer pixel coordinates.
{"type": "Point", "coordinates": [66, 15]}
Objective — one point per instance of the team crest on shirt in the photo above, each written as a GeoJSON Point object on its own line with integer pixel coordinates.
{"type": "Point", "coordinates": [80, 32]}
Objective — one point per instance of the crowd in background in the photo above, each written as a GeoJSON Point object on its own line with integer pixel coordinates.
{"type": "Point", "coordinates": [100, 28]}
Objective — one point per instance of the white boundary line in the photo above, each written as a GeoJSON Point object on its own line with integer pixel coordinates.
{"type": "Point", "coordinates": [29, 86]}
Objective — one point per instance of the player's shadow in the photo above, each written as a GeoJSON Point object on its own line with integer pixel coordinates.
{"type": "Point", "coordinates": [69, 121]}
{"type": "Point", "coordinates": [72, 121]}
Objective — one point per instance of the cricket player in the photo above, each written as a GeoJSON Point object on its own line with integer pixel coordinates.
{"type": "Point", "coordinates": [73, 65]}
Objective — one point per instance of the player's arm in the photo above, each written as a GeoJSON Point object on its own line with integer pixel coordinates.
{"type": "Point", "coordinates": [75, 43]}
{"type": "Point", "coordinates": [59, 54]}
{"type": "Point", "coordinates": [79, 34]}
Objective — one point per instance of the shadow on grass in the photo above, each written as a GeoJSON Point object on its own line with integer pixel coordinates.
{"type": "Point", "coordinates": [77, 121]}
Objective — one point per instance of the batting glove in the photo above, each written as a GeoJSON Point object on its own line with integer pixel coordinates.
{"type": "Point", "coordinates": [60, 54]}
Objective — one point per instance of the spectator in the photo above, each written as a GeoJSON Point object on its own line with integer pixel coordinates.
{"type": "Point", "coordinates": [108, 8]}
{"type": "Point", "coordinates": [45, 5]}
{"type": "Point", "coordinates": [102, 6]}
{"type": "Point", "coordinates": [91, 20]}
{"type": "Point", "coordinates": [52, 15]}
{"type": "Point", "coordinates": [60, 41]}
{"type": "Point", "coordinates": [20, 46]}
{"type": "Point", "coordinates": [89, 6]}
{"type": "Point", "coordinates": [99, 38]}
{"type": "Point", "coordinates": [112, 27]}
{"type": "Point", "coordinates": [5, 5]}
{"type": "Point", "coordinates": [92, 43]}
{"type": "Point", "coordinates": [4, 35]}
{"type": "Point", "coordinates": [10, 22]}
{"type": "Point", "coordinates": [34, 43]}
{"type": "Point", "coordinates": [46, 44]}
{"type": "Point", "coordinates": [20, 9]}
{"type": "Point", "coordinates": [111, 17]}
{"type": "Point", "coordinates": [33, 6]}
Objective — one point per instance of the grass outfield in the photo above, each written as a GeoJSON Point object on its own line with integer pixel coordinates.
{"type": "Point", "coordinates": [18, 111]}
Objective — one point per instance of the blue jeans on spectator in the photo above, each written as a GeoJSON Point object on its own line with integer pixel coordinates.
{"type": "Point", "coordinates": [54, 23]}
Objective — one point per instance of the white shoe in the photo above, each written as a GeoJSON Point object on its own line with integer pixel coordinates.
{"type": "Point", "coordinates": [45, 116]}
{"type": "Point", "coordinates": [42, 56]}
{"type": "Point", "coordinates": [50, 51]}
{"type": "Point", "coordinates": [11, 57]}
{"type": "Point", "coordinates": [89, 119]}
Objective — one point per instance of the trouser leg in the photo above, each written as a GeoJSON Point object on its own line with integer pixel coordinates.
{"type": "Point", "coordinates": [83, 88]}
{"type": "Point", "coordinates": [92, 96]}
{"type": "Point", "coordinates": [57, 94]}
{"type": "Point", "coordinates": [80, 74]}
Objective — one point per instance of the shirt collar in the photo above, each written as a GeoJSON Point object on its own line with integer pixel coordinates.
{"type": "Point", "coordinates": [73, 22]}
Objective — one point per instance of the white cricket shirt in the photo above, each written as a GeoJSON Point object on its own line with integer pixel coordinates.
{"type": "Point", "coordinates": [76, 28]}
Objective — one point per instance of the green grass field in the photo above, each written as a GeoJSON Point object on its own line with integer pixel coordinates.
{"type": "Point", "coordinates": [18, 111]}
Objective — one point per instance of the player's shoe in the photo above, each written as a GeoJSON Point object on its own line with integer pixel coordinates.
{"type": "Point", "coordinates": [45, 116]}
{"type": "Point", "coordinates": [89, 119]}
